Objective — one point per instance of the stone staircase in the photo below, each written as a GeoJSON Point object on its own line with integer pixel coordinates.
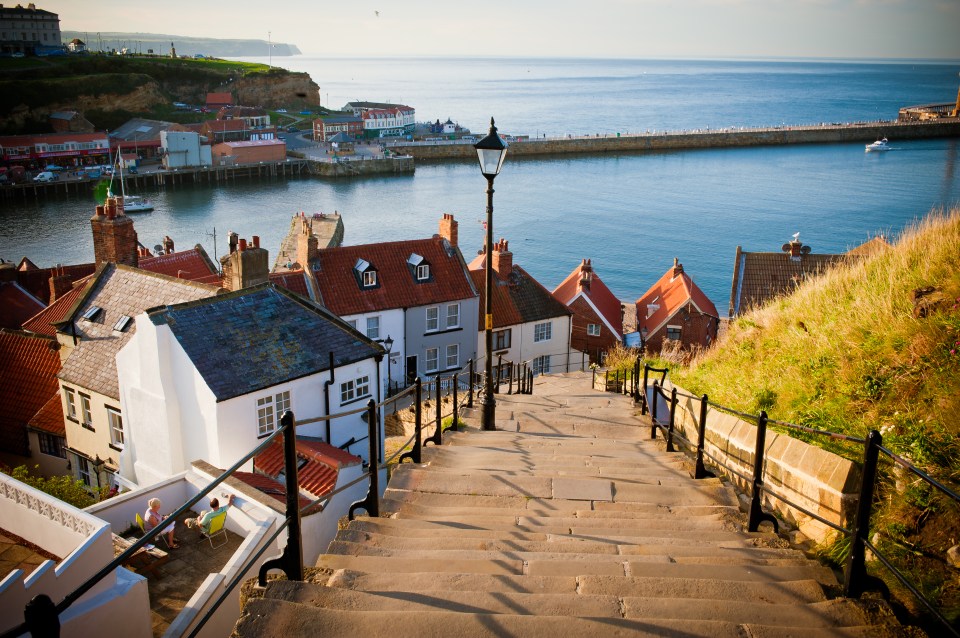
{"type": "Point", "coordinates": [567, 521]}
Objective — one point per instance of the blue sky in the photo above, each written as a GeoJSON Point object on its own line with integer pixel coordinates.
{"type": "Point", "coordinates": [583, 28]}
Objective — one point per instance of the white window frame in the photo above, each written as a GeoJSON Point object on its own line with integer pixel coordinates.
{"type": "Point", "coordinates": [542, 331]}
{"type": "Point", "coordinates": [423, 272]}
{"type": "Point", "coordinates": [369, 278]}
{"type": "Point", "coordinates": [373, 327]}
{"type": "Point", "coordinates": [453, 355]}
{"type": "Point", "coordinates": [453, 315]}
{"type": "Point", "coordinates": [593, 329]}
{"type": "Point", "coordinates": [84, 473]}
{"type": "Point", "coordinates": [115, 424]}
{"type": "Point", "coordinates": [266, 420]}
{"type": "Point", "coordinates": [433, 323]}
{"type": "Point", "coordinates": [86, 409]}
{"type": "Point", "coordinates": [71, 396]}
{"type": "Point", "coordinates": [434, 354]}
{"type": "Point", "coordinates": [541, 364]}
{"type": "Point", "coordinates": [354, 389]}
{"type": "Point", "coordinates": [503, 338]}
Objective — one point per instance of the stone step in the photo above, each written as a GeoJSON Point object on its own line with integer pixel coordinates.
{"type": "Point", "coordinates": [685, 524]}
{"type": "Point", "coordinates": [267, 617]}
{"type": "Point", "coordinates": [433, 582]}
{"type": "Point", "coordinates": [795, 592]}
{"type": "Point", "coordinates": [390, 505]}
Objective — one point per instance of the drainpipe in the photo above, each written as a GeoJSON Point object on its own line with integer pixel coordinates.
{"type": "Point", "coordinates": [326, 397]}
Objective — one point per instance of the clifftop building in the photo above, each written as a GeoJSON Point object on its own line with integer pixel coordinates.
{"type": "Point", "coordinates": [28, 29]}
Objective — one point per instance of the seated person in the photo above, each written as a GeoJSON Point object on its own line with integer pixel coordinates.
{"type": "Point", "coordinates": [152, 517]}
{"type": "Point", "coordinates": [206, 516]}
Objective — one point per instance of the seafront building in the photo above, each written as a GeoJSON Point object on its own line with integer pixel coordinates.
{"type": "Point", "coordinates": [382, 119]}
{"type": "Point", "coordinates": [597, 313]}
{"type": "Point", "coordinates": [675, 312]}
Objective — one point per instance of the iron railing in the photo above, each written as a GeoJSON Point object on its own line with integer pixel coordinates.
{"type": "Point", "coordinates": [856, 580]}
{"type": "Point", "coordinates": [41, 614]}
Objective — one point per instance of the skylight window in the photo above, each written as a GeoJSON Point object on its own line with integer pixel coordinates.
{"type": "Point", "coordinates": [92, 313]}
{"type": "Point", "coordinates": [122, 323]}
{"type": "Point", "coordinates": [414, 259]}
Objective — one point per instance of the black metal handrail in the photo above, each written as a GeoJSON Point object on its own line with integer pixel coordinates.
{"type": "Point", "coordinates": [856, 578]}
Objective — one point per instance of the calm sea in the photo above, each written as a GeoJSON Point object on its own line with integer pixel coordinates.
{"type": "Point", "coordinates": [632, 214]}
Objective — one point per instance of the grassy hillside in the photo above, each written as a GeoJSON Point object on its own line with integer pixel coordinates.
{"type": "Point", "coordinates": [848, 352]}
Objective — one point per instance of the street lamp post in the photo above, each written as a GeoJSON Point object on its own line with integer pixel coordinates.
{"type": "Point", "coordinates": [491, 151]}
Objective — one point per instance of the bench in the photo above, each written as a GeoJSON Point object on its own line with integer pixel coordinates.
{"type": "Point", "coordinates": [145, 560]}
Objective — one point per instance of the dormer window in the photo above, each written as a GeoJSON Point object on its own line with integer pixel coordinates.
{"type": "Point", "coordinates": [92, 313]}
{"type": "Point", "coordinates": [419, 267]}
{"type": "Point", "coordinates": [366, 274]}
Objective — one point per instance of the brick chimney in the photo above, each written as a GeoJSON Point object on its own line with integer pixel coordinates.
{"type": "Point", "coordinates": [586, 274]}
{"type": "Point", "coordinates": [245, 266]}
{"type": "Point", "coordinates": [448, 229]}
{"type": "Point", "coordinates": [307, 244]}
{"type": "Point", "coordinates": [60, 284]}
{"type": "Point", "coordinates": [677, 268]}
{"type": "Point", "coordinates": [114, 238]}
{"type": "Point", "coordinates": [502, 259]}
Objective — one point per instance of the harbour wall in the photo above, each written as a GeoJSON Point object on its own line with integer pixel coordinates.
{"type": "Point", "coordinates": [667, 141]}
{"type": "Point", "coordinates": [357, 167]}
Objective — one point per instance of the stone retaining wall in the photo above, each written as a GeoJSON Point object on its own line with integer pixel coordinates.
{"type": "Point", "coordinates": [811, 477]}
{"type": "Point", "coordinates": [362, 167]}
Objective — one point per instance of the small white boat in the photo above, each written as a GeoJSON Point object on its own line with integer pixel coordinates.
{"type": "Point", "coordinates": [879, 145]}
{"type": "Point", "coordinates": [131, 203]}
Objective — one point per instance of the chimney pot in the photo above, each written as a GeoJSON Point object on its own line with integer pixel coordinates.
{"type": "Point", "coordinates": [243, 244]}
{"type": "Point", "coordinates": [256, 241]}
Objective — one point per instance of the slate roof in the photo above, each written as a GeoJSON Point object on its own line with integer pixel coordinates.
{"type": "Point", "coordinates": [759, 277]}
{"type": "Point", "coordinates": [598, 294]}
{"type": "Point", "coordinates": [340, 288]}
{"type": "Point", "coordinates": [518, 299]}
{"type": "Point", "coordinates": [674, 290]}
{"type": "Point", "coordinates": [16, 305]}
{"type": "Point", "coordinates": [193, 264]}
{"type": "Point", "coordinates": [260, 337]}
{"type": "Point", "coordinates": [119, 290]}
{"type": "Point", "coordinates": [44, 321]}
{"type": "Point", "coordinates": [140, 130]}
{"type": "Point", "coordinates": [28, 369]}
{"type": "Point", "coordinates": [319, 464]}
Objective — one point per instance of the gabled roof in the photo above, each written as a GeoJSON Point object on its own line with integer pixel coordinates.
{"type": "Point", "coordinates": [16, 305]}
{"type": "Point", "coordinates": [223, 126]}
{"type": "Point", "coordinates": [673, 291]}
{"type": "Point", "coordinates": [28, 378]}
{"type": "Point", "coordinates": [340, 288]}
{"type": "Point", "coordinates": [119, 291]}
{"type": "Point", "coordinates": [318, 464]}
{"type": "Point", "coordinates": [44, 321]}
{"type": "Point", "coordinates": [49, 418]}
{"type": "Point", "coordinates": [597, 294]}
{"type": "Point", "coordinates": [259, 337]}
{"type": "Point", "coordinates": [517, 300]}
{"type": "Point", "coordinates": [292, 280]}
{"type": "Point", "coordinates": [37, 280]}
{"type": "Point", "coordinates": [193, 264]}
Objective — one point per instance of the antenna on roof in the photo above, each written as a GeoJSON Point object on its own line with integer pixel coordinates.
{"type": "Point", "coordinates": [215, 260]}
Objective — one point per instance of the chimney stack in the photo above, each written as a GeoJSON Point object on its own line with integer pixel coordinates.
{"type": "Point", "coordinates": [677, 268]}
{"type": "Point", "coordinates": [307, 244]}
{"type": "Point", "coordinates": [448, 229]}
{"type": "Point", "coordinates": [502, 259]}
{"type": "Point", "coordinates": [60, 284]}
{"type": "Point", "coordinates": [114, 237]}
{"type": "Point", "coordinates": [232, 241]}
{"type": "Point", "coordinates": [246, 265]}
{"type": "Point", "coordinates": [586, 274]}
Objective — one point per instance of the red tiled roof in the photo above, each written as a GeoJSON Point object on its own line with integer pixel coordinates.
{"type": "Point", "coordinates": [42, 322]}
{"type": "Point", "coordinates": [671, 293]}
{"type": "Point", "coordinates": [598, 294]}
{"type": "Point", "coordinates": [50, 417]}
{"type": "Point", "coordinates": [219, 98]}
{"type": "Point", "coordinates": [193, 264]}
{"type": "Point", "coordinates": [269, 486]}
{"type": "Point", "coordinates": [222, 126]}
{"type": "Point", "coordinates": [519, 300]}
{"type": "Point", "coordinates": [292, 280]}
{"type": "Point", "coordinates": [37, 282]}
{"type": "Point", "coordinates": [28, 369]}
{"type": "Point", "coordinates": [16, 305]}
{"type": "Point", "coordinates": [319, 464]}
{"type": "Point", "coordinates": [339, 283]}
{"type": "Point", "coordinates": [252, 143]}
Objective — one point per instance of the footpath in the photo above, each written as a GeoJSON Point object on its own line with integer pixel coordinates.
{"type": "Point", "coordinates": [567, 521]}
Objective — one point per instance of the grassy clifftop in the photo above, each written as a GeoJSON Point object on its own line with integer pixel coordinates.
{"type": "Point", "coordinates": [873, 344]}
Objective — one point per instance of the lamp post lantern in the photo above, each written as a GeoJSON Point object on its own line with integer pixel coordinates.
{"type": "Point", "coordinates": [491, 151]}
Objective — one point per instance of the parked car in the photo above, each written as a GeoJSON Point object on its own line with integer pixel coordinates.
{"type": "Point", "coordinates": [46, 176]}
{"type": "Point", "coordinates": [52, 167]}
{"type": "Point", "coordinates": [292, 129]}
{"type": "Point", "coordinates": [281, 110]}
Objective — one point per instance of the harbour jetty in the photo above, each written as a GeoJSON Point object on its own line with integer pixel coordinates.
{"type": "Point", "coordinates": [698, 139]}
{"type": "Point", "coordinates": [326, 229]}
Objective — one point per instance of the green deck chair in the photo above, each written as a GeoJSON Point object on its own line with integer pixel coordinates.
{"type": "Point", "coordinates": [216, 529]}
{"type": "Point", "coordinates": [143, 530]}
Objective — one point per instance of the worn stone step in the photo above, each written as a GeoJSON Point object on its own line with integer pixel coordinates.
{"type": "Point", "coordinates": [422, 581]}
{"type": "Point", "coordinates": [500, 602]}
{"type": "Point", "coordinates": [785, 592]}
{"type": "Point", "coordinates": [406, 543]}
{"type": "Point", "coordinates": [687, 524]}
{"type": "Point", "coordinates": [393, 565]}
{"type": "Point", "coordinates": [390, 505]}
{"type": "Point", "coordinates": [267, 617]}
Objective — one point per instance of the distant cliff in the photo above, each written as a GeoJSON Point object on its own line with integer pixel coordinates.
{"type": "Point", "coordinates": [160, 44]}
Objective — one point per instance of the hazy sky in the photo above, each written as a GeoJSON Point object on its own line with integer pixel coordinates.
{"type": "Point", "coordinates": [585, 28]}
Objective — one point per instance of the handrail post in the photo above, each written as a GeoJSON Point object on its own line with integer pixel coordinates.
{"type": "Point", "coordinates": [530, 382]}
{"type": "Point", "coordinates": [644, 408]}
{"type": "Point", "coordinates": [653, 410]}
{"type": "Point", "coordinates": [855, 572]}
{"type": "Point", "coordinates": [510, 378]}
{"type": "Point", "coordinates": [437, 437]}
{"type": "Point", "coordinates": [455, 380]}
{"type": "Point", "coordinates": [291, 560]}
{"type": "Point", "coordinates": [414, 454]}
{"type": "Point", "coordinates": [371, 503]}
{"type": "Point", "coordinates": [673, 414]}
{"type": "Point", "coordinates": [757, 515]}
{"type": "Point", "coordinates": [700, 471]}
{"type": "Point", "coordinates": [472, 381]}
{"type": "Point", "coordinates": [499, 377]}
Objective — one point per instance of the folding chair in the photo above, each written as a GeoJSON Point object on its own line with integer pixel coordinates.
{"type": "Point", "coordinates": [143, 529]}
{"type": "Point", "coordinates": [215, 529]}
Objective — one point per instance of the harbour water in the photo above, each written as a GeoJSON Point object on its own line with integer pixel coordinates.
{"type": "Point", "coordinates": [632, 214]}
